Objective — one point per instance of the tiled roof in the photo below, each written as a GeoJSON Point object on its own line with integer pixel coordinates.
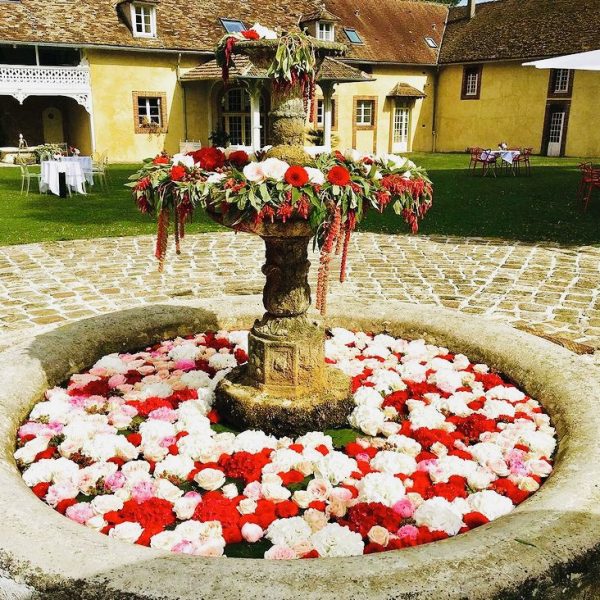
{"type": "Point", "coordinates": [190, 25]}
{"type": "Point", "coordinates": [521, 29]}
{"type": "Point", "coordinates": [405, 90]}
{"type": "Point", "coordinates": [321, 14]}
{"type": "Point", "coordinates": [331, 70]}
{"type": "Point", "coordinates": [393, 30]}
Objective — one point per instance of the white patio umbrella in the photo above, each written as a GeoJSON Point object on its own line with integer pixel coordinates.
{"type": "Point", "coordinates": [583, 61]}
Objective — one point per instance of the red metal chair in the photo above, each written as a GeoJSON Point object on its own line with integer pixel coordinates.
{"type": "Point", "coordinates": [483, 157]}
{"type": "Point", "coordinates": [590, 180]}
{"type": "Point", "coordinates": [524, 160]}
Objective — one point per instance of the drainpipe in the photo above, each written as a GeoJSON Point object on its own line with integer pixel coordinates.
{"type": "Point", "coordinates": [472, 8]}
{"type": "Point", "coordinates": [436, 79]}
{"type": "Point", "coordinates": [183, 98]}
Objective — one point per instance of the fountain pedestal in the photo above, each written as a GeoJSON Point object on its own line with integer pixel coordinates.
{"type": "Point", "coordinates": [286, 388]}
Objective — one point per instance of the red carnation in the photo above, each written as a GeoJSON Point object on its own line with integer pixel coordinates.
{"type": "Point", "coordinates": [210, 158]}
{"type": "Point", "coordinates": [239, 158]}
{"type": "Point", "coordinates": [161, 159]}
{"type": "Point", "coordinates": [338, 176]}
{"type": "Point", "coordinates": [250, 34]}
{"type": "Point", "coordinates": [296, 176]}
{"type": "Point", "coordinates": [475, 519]}
{"type": "Point", "coordinates": [177, 172]}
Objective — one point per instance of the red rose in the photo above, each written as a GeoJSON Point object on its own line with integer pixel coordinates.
{"type": "Point", "coordinates": [250, 34]}
{"type": "Point", "coordinates": [239, 158]}
{"type": "Point", "coordinates": [296, 176]}
{"type": "Point", "coordinates": [177, 172]}
{"type": "Point", "coordinates": [210, 158]}
{"type": "Point", "coordinates": [161, 159]}
{"type": "Point", "coordinates": [338, 176]}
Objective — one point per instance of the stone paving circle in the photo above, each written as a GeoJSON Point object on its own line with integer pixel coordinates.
{"type": "Point", "coordinates": [549, 288]}
{"type": "Point", "coordinates": [548, 547]}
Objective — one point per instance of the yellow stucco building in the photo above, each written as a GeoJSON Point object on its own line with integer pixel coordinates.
{"type": "Point", "coordinates": [134, 77]}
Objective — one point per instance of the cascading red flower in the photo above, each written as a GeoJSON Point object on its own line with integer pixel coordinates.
{"type": "Point", "coordinates": [161, 159]}
{"type": "Point", "coordinates": [239, 158]}
{"type": "Point", "coordinates": [338, 175]}
{"type": "Point", "coordinates": [177, 172]}
{"type": "Point", "coordinates": [296, 176]}
{"type": "Point", "coordinates": [209, 158]}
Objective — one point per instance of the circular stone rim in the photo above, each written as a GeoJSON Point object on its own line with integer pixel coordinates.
{"type": "Point", "coordinates": [555, 533]}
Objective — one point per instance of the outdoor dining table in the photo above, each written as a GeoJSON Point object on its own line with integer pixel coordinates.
{"type": "Point", "coordinates": [86, 166]}
{"type": "Point", "coordinates": [53, 170]}
{"type": "Point", "coordinates": [508, 156]}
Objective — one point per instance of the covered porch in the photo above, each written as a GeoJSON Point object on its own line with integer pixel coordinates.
{"type": "Point", "coordinates": [237, 113]}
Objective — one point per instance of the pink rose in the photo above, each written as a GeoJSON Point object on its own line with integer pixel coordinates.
{"type": "Point", "coordinates": [116, 380]}
{"type": "Point", "coordinates": [280, 553]}
{"type": "Point", "coordinates": [210, 548]}
{"type": "Point", "coordinates": [163, 414]}
{"type": "Point", "coordinates": [143, 491]}
{"type": "Point", "coordinates": [253, 490]}
{"type": "Point", "coordinates": [185, 365]}
{"type": "Point", "coordinates": [80, 513]}
{"type": "Point", "coordinates": [168, 441]}
{"type": "Point", "coordinates": [252, 532]}
{"type": "Point", "coordinates": [341, 494]}
{"type": "Point", "coordinates": [404, 508]}
{"type": "Point", "coordinates": [115, 481]}
{"type": "Point", "coordinates": [408, 531]}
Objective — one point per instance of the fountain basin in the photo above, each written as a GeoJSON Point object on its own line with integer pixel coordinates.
{"type": "Point", "coordinates": [549, 543]}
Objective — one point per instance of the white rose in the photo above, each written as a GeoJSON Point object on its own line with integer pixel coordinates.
{"type": "Point", "coordinates": [368, 396]}
{"type": "Point", "coordinates": [490, 503]}
{"type": "Point", "coordinates": [438, 515]}
{"type": "Point", "coordinates": [165, 490]}
{"type": "Point", "coordinates": [254, 172]}
{"type": "Point", "coordinates": [247, 506]}
{"type": "Point", "coordinates": [368, 419]}
{"type": "Point", "coordinates": [210, 479]}
{"type": "Point", "coordinates": [315, 176]}
{"type": "Point", "coordinates": [184, 507]}
{"type": "Point", "coordinates": [287, 532]}
{"type": "Point", "coordinates": [106, 503]}
{"type": "Point", "coordinates": [127, 531]}
{"type": "Point", "coordinates": [336, 540]}
{"type": "Point", "coordinates": [394, 462]}
{"type": "Point", "coordinates": [274, 168]}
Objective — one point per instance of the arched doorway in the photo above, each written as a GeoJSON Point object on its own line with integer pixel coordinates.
{"type": "Point", "coordinates": [235, 118]}
{"type": "Point", "coordinates": [52, 122]}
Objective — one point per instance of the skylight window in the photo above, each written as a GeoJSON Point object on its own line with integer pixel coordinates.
{"type": "Point", "coordinates": [352, 35]}
{"type": "Point", "coordinates": [233, 25]}
{"type": "Point", "coordinates": [431, 42]}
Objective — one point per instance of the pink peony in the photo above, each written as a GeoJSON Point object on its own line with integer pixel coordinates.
{"type": "Point", "coordinates": [116, 381]}
{"type": "Point", "coordinates": [115, 481]}
{"type": "Point", "coordinates": [143, 491]}
{"type": "Point", "coordinates": [252, 532]}
{"type": "Point", "coordinates": [185, 365]}
{"type": "Point", "coordinates": [408, 531]}
{"type": "Point", "coordinates": [404, 508]}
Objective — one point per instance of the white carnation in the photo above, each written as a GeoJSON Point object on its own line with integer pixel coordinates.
{"type": "Point", "coordinates": [438, 515]}
{"type": "Point", "coordinates": [335, 540]}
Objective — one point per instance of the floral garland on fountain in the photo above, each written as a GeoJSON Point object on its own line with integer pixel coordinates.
{"type": "Point", "coordinates": [333, 194]}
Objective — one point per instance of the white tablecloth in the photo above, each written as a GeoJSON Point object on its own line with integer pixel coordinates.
{"type": "Point", "coordinates": [74, 175]}
{"type": "Point", "coordinates": [86, 166]}
{"type": "Point", "coordinates": [508, 156]}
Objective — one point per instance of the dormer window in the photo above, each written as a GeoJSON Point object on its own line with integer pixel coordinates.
{"type": "Point", "coordinates": [325, 31]}
{"type": "Point", "coordinates": [233, 25]}
{"type": "Point", "coordinates": [143, 20]}
{"type": "Point", "coordinates": [352, 35]}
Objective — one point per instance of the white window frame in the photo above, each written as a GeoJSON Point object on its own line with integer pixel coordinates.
{"type": "Point", "coordinates": [472, 84]}
{"type": "Point", "coordinates": [325, 31]}
{"type": "Point", "coordinates": [562, 79]}
{"type": "Point", "coordinates": [401, 129]}
{"type": "Point", "coordinates": [143, 10]}
{"type": "Point", "coordinates": [147, 114]}
{"type": "Point", "coordinates": [365, 113]}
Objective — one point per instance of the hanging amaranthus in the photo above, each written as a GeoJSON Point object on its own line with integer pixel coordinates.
{"type": "Point", "coordinates": [349, 227]}
{"type": "Point", "coordinates": [162, 238]}
{"type": "Point", "coordinates": [331, 237]}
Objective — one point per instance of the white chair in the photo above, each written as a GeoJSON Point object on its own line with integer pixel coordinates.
{"type": "Point", "coordinates": [100, 168]}
{"type": "Point", "coordinates": [27, 176]}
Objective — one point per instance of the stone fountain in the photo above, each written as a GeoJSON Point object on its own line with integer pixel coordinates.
{"type": "Point", "coordinates": [286, 387]}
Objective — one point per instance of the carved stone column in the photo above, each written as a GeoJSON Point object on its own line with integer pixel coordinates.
{"type": "Point", "coordinates": [285, 347]}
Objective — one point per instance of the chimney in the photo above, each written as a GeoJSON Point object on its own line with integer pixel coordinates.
{"type": "Point", "coordinates": [472, 7]}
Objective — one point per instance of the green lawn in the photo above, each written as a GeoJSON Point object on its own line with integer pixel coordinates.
{"type": "Point", "coordinates": [540, 207]}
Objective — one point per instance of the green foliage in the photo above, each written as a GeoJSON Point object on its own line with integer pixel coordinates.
{"type": "Point", "coordinates": [219, 137]}
{"type": "Point", "coordinates": [341, 437]}
{"type": "Point", "coordinates": [300, 485]}
{"type": "Point", "coordinates": [247, 550]}
{"type": "Point", "coordinates": [222, 428]}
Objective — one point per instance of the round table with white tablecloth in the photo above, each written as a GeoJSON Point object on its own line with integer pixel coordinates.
{"type": "Point", "coordinates": [74, 176]}
{"type": "Point", "coordinates": [86, 166]}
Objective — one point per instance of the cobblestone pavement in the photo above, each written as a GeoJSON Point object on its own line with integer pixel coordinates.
{"type": "Point", "coordinates": [552, 289]}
